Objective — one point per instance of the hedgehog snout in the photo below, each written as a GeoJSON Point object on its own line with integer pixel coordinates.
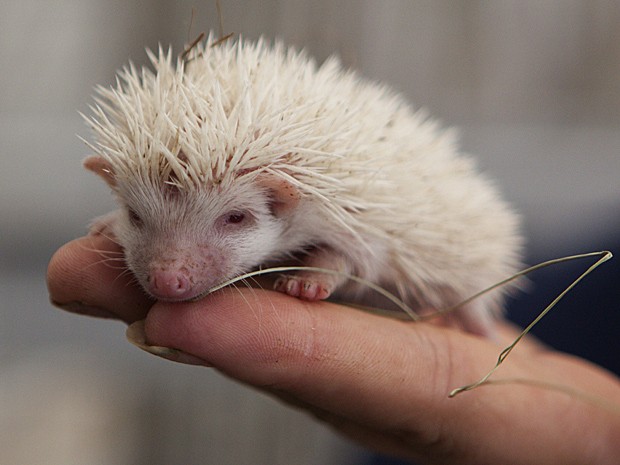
{"type": "Point", "coordinates": [182, 277]}
{"type": "Point", "coordinates": [170, 284]}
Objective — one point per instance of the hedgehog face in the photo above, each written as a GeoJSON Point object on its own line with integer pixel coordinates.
{"type": "Point", "coordinates": [181, 243]}
{"type": "Point", "coordinates": [180, 247]}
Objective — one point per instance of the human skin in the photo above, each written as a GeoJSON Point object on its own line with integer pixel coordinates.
{"type": "Point", "coordinates": [381, 381]}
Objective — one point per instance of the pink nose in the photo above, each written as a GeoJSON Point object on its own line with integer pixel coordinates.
{"type": "Point", "coordinates": [170, 285]}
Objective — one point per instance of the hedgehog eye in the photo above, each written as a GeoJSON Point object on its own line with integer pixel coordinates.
{"type": "Point", "coordinates": [134, 218]}
{"type": "Point", "coordinates": [235, 218]}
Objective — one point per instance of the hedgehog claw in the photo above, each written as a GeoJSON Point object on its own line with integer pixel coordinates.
{"type": "Point", "coordinates": [302, 288]}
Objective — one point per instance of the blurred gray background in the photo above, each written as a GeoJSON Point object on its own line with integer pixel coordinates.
{"type": "Point", "coordinates": [533, 84]}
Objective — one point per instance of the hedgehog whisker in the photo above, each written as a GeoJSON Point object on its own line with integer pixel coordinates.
{"type": "Point", "coordinates": [111, 262]}
{"type": "Point", "coordinates": [385, 293]}
{"type": "Point", "coordinates": [247, 302]}
{"type": "Point", "coordinates": [132, 278]}
{"type": "Point", "coordinates": [101, 251]}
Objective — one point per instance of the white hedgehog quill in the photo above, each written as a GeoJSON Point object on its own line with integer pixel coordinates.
{"type": "Point", "coordinates": [250, 153]}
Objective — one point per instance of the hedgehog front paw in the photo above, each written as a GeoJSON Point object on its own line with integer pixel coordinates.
{"type": "Point", "coordinates": [303, 287]}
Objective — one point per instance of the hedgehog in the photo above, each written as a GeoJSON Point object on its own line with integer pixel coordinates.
{"type": "Point", "coordinates": [251, 153]}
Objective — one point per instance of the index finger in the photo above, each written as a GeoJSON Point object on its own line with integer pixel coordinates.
{"type": "Point", "coordinates": [89, 276]}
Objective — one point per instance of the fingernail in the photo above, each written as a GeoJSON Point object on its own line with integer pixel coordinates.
{"type": "Point", "coordinates": [84, 309]}
{"type": "Point", "coordinates": [135, 334]}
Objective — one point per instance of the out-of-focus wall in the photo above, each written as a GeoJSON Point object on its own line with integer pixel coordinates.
{"type": "Point", "coordinates": [524, 62]}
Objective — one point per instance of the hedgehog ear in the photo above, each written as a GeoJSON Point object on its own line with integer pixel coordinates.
{"type": "Point", "coordinates": [284, 197]}
{"type": "Point", "coordinates": [101, 167]}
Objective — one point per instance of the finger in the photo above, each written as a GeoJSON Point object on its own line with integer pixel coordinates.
{"type": "Point", "coordinates": [89, 276]}
{"type": "Point", "coordinates": [358, 367]}
{"type": "Point", "coordinates": [374, 375]}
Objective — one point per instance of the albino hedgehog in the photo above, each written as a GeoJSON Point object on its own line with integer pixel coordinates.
{"type": "Point", "coordinates": [247, 154]}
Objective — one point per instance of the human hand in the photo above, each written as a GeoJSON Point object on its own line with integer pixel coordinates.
{"type": "Point", "coordinates": [381, 381]}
